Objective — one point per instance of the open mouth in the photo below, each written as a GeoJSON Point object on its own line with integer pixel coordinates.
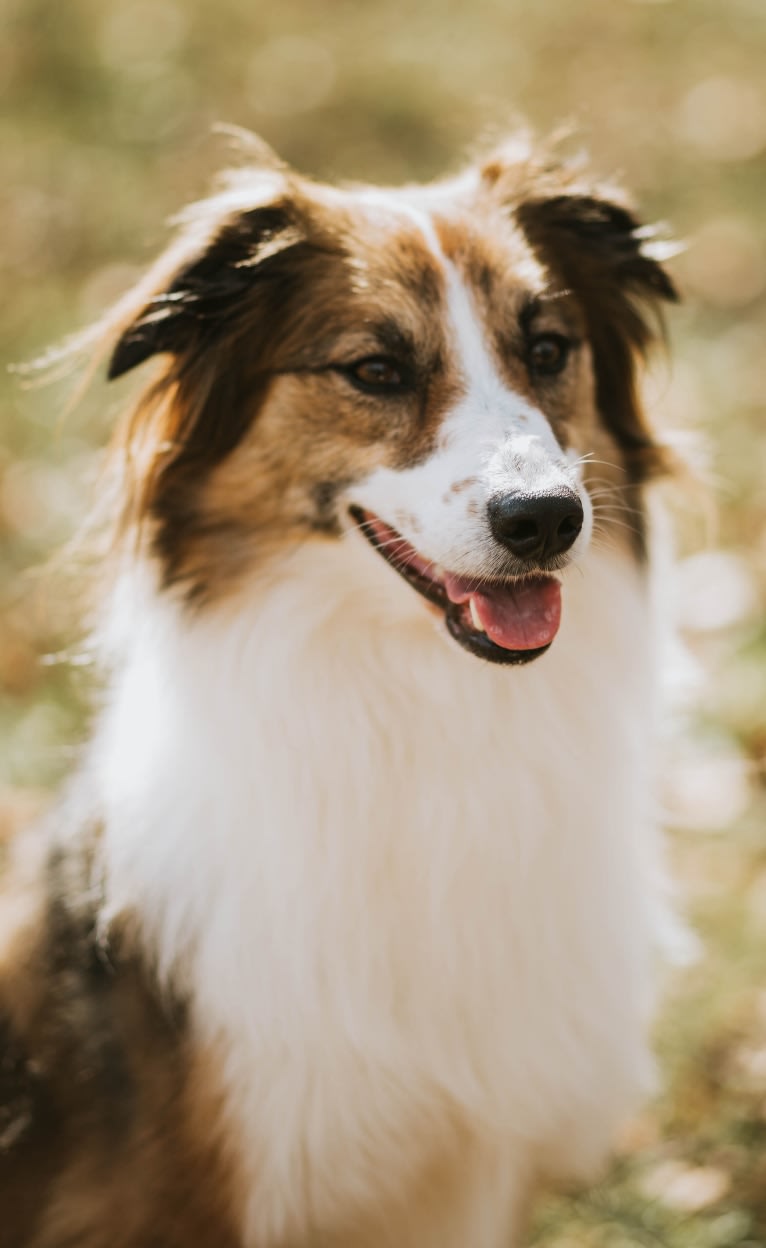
{"type": "Point", "coordinates": [512, 621]}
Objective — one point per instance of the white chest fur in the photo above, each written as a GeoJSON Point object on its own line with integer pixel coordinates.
{"type": "Point", "coordinates": [412, 895]}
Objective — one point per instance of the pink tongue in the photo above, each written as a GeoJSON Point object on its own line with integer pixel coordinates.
{"type": "Point", "coordinates": [525, 616]}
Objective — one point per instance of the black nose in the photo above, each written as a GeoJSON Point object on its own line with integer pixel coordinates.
{"type": "Point", "coordinates": [536, 526]}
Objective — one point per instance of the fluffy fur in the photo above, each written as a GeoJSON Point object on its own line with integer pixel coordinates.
{"type": "Point", "coordinates": [347, 935]}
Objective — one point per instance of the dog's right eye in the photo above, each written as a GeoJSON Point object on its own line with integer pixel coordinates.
{"type": "Point", "coordinates": [378, 374]}
{"type": "Point", "coordinates": [547, 354]}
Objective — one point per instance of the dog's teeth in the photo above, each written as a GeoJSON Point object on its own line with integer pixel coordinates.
{"type": "Point", "coordinates": [475, 617]}
{"type": "Point", "coordinates": [437, 572]}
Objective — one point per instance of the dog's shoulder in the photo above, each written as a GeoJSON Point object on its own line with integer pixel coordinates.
{"type": "Point", "coordinates": [104, 1121]}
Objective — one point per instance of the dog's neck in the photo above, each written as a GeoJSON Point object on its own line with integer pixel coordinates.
{"type": "Point", "coordinates": [325, 717]}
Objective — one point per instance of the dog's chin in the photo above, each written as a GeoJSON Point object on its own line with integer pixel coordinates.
{"type": "Point", "coordinates": [510, 622]}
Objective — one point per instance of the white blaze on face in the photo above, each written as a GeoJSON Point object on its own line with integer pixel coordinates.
{"type": "Point", "coordinates": [492, 442]}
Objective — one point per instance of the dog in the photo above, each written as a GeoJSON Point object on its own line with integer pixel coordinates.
{"type": "Point", "coordinates": [345, 933]}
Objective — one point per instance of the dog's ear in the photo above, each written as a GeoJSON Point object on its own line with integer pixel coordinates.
{"type": "Point", "coordinates": [593, 243]}
{"type": "Point", "coordinates": [203, 281]}
{"type": "Point", "coordinates": [215, 306]}
{"type": "Point", "coordinates": [599, 242]}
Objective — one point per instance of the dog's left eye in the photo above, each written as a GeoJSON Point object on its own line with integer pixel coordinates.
{"type": "Point", "coordinates": [547, 354]}
{"type": "Point", "coordinates": [378, 374]}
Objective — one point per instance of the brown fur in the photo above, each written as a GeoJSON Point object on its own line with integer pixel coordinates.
{"type": "Point", "coordinates": [276, 281]}
{"type": "Point", "coordinates": [108, 1120]}
{"type": "Point", "coordinates": [239, 447]}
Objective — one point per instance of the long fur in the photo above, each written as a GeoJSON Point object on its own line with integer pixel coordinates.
{"type": "Point", "coordinates": [379, 918]}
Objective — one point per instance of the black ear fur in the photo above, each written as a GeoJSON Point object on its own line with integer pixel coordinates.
{"type": "Point", "coordinates": [604, 233]}
{"type": "Point", "coordinates": [205, 293]}
{"type": "Point", "coordinates": [602, 253]}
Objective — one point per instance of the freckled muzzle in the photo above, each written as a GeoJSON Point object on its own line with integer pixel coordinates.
{"type": "Point", "coordinates": [508, 621]}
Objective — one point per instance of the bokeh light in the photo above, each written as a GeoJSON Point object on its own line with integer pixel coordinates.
{"type": "Point", "coordinates": [106, 131]}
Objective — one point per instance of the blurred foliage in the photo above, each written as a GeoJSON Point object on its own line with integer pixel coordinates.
{"type": "Point", "coordinates": [106, 131]}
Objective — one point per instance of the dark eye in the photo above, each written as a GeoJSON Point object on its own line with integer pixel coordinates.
{"type": "Point", "coordinates": [547, 354]}
{"type": "Point", "coordinates": [377, 374]}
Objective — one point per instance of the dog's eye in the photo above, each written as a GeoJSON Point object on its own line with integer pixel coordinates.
{"type": "Point", "coordinates": [377, 374]}
{"type": "Point", "coordinates": [547, 354]}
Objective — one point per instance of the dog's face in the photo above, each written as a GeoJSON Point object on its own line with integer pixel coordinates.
{"type": "Point", "coordinates": [448, 370]}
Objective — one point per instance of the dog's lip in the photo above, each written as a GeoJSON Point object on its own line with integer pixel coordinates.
{"type": "Point", "coordinates": [423, 574]}
{"type": "Point", "coordinates": [503, 621]}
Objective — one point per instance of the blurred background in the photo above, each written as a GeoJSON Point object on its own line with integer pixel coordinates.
{"type": "Point", "coordinates": [106, 131]}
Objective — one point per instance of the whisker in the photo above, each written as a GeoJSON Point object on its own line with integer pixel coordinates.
{"type": "Point", "coordinates": [620, 524]}
{"type": "Point", "coordinates": [604, 533]}
{"type": "Point", "coordinates": [604, 483]}
{"type": "Point", "coordinates": [608, 463]}
{"type": "Point", "coordinates": [612, 506]}
{"type": "Point", "coordinates": [587, 458]}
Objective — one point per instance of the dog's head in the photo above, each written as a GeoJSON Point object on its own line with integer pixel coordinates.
{"type": "Point", "coordinates": [448, 370]}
